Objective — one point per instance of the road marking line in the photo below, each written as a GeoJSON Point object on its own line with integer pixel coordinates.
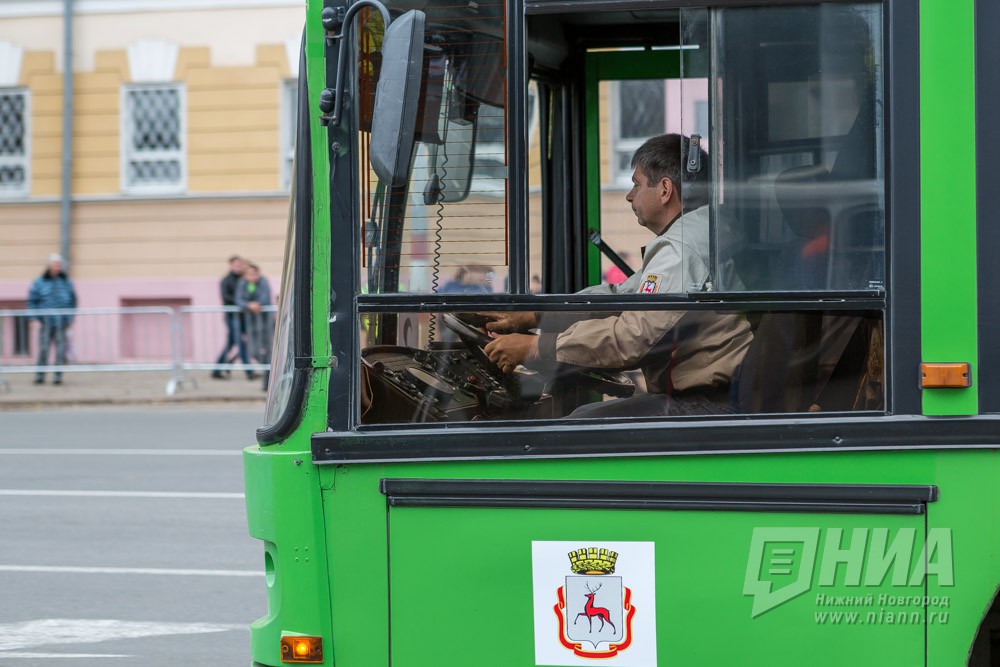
{"type": "Point", "coordinates": [48, 656]}
{"type": "Point", "coordinates": [119, 494]}
{"type": "Point", "coordinates": [122, 452]}
{"type": "Point", "coordinates": [49, 631]}
{"type": "Point", "coordinates": [178, 572]}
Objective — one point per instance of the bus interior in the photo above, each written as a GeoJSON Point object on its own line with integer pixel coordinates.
{"type": "Point", "coordinates": [514, 199]}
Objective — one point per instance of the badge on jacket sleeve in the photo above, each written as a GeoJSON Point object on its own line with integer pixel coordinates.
{"type": "Point", "coordinates": [651, 284]}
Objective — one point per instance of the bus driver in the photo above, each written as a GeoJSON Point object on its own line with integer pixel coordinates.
{"type": "Point", "coordinates": [688, 358]}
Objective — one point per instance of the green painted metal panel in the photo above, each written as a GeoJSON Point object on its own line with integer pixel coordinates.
{"type": "Point", "coordinates": [285, 512]}
{"type": "Point", "coordinates": [283, 495]}
{"type": "Point", "coordinates": [969, 498]}
{"type": "Point", "coordinates": [424, 559]}
{"type": "Point", "coordinates": [963, 509]}
{"type": "Point", "coordinates": [356, 541]}
{"type": "Point", "coordinates": [461, 588]}
{"type": "Point", "coordinates": [631, 65]}
{"type": "Point", "coordinates": [947, 197]}
{"type": "Point", "coordinates": [315, 411]}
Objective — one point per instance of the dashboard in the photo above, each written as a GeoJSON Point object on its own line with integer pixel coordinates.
{"type": "Point", "coordinates": [448, 382]}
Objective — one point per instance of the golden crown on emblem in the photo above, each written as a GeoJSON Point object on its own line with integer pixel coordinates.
{"type": "Point", "coordinates": [592, 560]}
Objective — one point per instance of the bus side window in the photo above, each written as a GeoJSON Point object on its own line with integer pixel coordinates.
{"type": "Point", "coordinates": [813, 362]}
{"type": "Point", "coordinates": [801, 166]}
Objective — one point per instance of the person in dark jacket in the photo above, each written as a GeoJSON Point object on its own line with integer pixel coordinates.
{"type": "Point", "coordinates": [52, 290]}
{"type": "Point", "coordinates": [234, 321]}
{"type": "Point", "coordinates": [253, 293]}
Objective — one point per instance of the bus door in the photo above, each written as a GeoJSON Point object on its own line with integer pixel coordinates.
{"type": "Point", "coordinates": [578, 573]}
{"type": "Point", "coordinates": [631, 94]}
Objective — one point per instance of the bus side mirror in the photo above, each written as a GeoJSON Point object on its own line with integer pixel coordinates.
{"type": "Point", "coordinates": [397, 95]}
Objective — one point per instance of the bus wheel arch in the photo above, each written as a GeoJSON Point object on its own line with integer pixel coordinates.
{"type": "Point", "coordinates": [985, 650]}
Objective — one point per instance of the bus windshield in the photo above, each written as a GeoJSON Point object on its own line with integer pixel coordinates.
{"type": "Point", "coordinates": [445, 230]}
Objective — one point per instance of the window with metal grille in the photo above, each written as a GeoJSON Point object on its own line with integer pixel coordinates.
{"type": "Point", "coordinates": [289, 101]}
{"type": "Point", "coordinates": [640, 113]}
{"type": "Point", "coordinates": [153, 139]}
{"type": "Point", "coordinates": [642, 108]}
{"type": "Point", "coordinates": [14, 115]}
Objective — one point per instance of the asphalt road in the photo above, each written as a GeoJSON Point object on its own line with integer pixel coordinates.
{"type": "Point", "coordinates": [123, 538]}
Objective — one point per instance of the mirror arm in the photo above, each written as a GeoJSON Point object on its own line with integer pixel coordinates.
{"type": "Point", "coordinates": [332, 116]}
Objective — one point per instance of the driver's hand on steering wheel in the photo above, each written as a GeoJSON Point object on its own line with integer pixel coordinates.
{"type": "Point", "coordinates": [508, 322]}
{"type": "Point", "coordinates": [508, 351]}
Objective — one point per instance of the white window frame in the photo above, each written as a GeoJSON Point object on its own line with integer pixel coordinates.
{"type": "Point", "coordinates": [623, 177]}
{"type": "Point", "coordinates": [680, 115]}
{"type": "Point", "coordinates": [287, 127]}
{"type": "Point", "coordinates": [24, 160]}
{"type": "Point", "coordinates": [127, 154]}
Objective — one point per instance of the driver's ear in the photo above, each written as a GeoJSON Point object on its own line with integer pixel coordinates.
{"type": "Point", "coordinates": [666, 190]}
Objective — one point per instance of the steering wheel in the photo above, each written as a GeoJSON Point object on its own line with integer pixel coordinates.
{"type": "Point", "coordinates": [472, 337]}
{"type": "Point", "coordinates": [475, 339]}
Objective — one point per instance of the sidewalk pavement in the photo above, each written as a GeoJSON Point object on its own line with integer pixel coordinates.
{"type": "Point", "coordinates": [137, 388]}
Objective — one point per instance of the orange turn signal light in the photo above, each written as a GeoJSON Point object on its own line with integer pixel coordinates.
{"type": "Point", "coordinates": [302, 649]}
{"type": "Point", "coordinates": [945, 376]}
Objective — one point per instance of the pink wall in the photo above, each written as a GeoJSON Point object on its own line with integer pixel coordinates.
{"type": "Point", "coordinates": [110, 293]}
{"type": "Point", "coordinates": [136, 338]}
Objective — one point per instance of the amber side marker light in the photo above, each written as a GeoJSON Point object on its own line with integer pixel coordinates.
{"type": "Point", "coordinates": [302, 649]}
{"type": "Point", "coordinates": [945, 376]}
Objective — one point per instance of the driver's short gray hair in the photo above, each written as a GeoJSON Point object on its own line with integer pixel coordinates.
{"type": "Point", "coordinates": [665, 156]}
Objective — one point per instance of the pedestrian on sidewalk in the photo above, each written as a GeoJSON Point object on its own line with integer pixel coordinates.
{"type": "Point", "coordinates": [234, 320]}
{"type": "Point", "coordinates": [52, 290]}
{"type": "Point", "coordinates": [252, 294]}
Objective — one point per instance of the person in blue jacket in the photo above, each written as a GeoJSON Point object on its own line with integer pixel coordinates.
{"type": "Point", "coordinates": [52, 289]}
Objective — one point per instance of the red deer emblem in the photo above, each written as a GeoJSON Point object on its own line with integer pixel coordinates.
{"type": "Point", "coordinates": [590, 611]}
{"type": "Point", "coordinates": [590, 566]}
{"type": "Point", "coordinates": [599, 586]}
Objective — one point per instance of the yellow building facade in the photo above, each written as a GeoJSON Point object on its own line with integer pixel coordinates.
{"type": "Point", "coordinates": [181, 129]}
{"type": "Point", "coordinates": [181, 149]}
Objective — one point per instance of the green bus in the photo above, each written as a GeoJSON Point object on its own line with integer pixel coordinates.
{"type": "Point", "coordinates": [499, 433]}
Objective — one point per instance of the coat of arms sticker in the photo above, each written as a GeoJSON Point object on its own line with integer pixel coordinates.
{"type": "Point", "coordinates": [594, 603]}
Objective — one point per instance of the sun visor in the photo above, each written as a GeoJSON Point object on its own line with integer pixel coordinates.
{"type": "Point", "coordinates": [396, 99]}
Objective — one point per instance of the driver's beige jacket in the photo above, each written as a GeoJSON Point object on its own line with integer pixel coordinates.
{"type": "Point", "coordinates": [676, 350]}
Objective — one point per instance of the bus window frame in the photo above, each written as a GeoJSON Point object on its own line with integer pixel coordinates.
{"type": "Point", "coordinates": [302, 289]}
{"type": "Point", "coordinates": [987, 213]}
{"type": "Point", "coordinates": [348, 441]}
{"type": "Point", "coordinates": [343, 155]}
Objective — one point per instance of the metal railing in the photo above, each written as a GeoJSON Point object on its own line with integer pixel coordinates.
{"type": "Point", "coordinates": [139, 339]}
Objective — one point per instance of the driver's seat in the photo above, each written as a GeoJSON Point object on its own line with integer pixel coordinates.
{"type": "Point", "coordinates": [812, 362]}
